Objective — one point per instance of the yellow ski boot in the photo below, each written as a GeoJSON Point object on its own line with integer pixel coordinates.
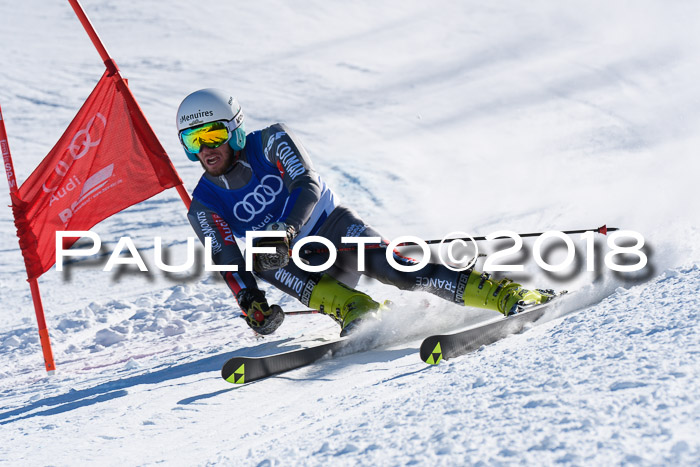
{"type": "Point", "coordinates": [504, 296]}
{"type": "Point", "coordinates": [344, 304]}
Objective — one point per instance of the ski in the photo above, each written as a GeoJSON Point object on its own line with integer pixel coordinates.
{"type": "Point", "coordinates": [241, 370]}
{"type": "Point", "coordinates": [436, 348]}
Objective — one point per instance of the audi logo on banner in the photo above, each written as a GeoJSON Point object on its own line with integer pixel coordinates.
{"type": "Point", "coordinates": [83, 139]}
{"type": "Point", "coordinates": [79, 146]}
{"type": "Point", "coordinates": [257, 200]}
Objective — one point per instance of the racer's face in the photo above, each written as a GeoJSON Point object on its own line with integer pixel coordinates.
{"type": "Point", "coordinates": [216, 161]}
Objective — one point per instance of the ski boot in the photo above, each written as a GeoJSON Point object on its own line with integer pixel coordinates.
{"type": "Point", "coordinates": [504, 296]}
{"type": "Point", "coordinates": [346, 306]}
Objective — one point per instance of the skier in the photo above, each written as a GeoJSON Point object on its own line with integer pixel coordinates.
{"type": "Point", "coordinates": [265, 180]}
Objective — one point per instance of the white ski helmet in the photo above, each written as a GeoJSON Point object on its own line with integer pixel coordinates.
{"type": "Point", "coordinates": [211, 105]}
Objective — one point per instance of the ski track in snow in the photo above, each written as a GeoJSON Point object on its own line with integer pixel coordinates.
{"type": "Point", "coordinates": [425, 121]}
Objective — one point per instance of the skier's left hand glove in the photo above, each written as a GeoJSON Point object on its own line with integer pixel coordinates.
{"type": "Point", "coordinates": [264, 319]}
{"type": "Point", "coordinates": [279, 259]}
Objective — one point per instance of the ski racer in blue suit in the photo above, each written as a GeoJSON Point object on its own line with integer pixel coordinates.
{"type": "Point", "coordinates": [265, 181]}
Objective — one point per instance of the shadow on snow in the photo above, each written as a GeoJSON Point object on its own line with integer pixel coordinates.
{"type": "Point", "coordinates": [110, 390]}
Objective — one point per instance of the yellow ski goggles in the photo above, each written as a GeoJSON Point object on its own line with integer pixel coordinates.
{"type": "Point", "coordinates": [212, 135]}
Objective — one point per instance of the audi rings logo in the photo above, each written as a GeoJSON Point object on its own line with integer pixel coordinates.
{"type": "Point", "coordinates": [83, 140]}
{"type": "Point", "coordinates": [254, 202]}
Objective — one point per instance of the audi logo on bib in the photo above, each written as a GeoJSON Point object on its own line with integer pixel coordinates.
{"type": "Point", "coordinates": [255, 202]}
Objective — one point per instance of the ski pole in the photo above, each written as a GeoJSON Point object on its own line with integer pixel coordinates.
{"type": "Point", "coordinates": [302, 312]}
{"type": "Point", "coordinates": [307, 312]}
{"type": "Point", "coordinates": [293, 313]}
{"type": "Point", "coordinates": [602, 230]}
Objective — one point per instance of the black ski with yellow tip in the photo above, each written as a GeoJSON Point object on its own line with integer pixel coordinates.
{"type": "Point", "coordinates": [436, 348]}
{"type": "Point", "coordinates": [240, 370]}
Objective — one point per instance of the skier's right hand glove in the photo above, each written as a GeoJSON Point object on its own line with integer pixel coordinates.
{"type": "Point", "coordinates": [264, 319]}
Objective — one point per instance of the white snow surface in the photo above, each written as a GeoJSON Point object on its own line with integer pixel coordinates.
{"type": "Point", "coordinates": [426, 118]}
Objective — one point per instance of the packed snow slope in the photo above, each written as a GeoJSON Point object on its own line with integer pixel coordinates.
{"type": "Point", "coordinates": [427, 119]}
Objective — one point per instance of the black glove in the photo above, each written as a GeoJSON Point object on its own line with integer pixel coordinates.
{"type": "Point", "coordinates": [279, 259]}
{"type": "Point", "coordinates": [264, 319]}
